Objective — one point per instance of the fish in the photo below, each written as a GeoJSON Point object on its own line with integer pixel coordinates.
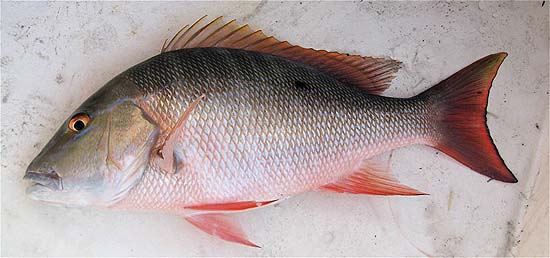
{"type": "Point", "coordinates": [228, 119]}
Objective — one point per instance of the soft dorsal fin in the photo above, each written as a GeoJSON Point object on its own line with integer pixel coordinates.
{"type": "Point", "coordinates": [373, 177]}
{"type": "Point", "coordinates": [371, 74]}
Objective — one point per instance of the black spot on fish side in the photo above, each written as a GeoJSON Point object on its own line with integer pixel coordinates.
{"type": "Point", "coordinates": [300, 85]}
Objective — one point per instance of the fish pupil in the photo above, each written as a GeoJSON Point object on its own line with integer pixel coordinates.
{"type": "Point", "coordinates": [79, 125]}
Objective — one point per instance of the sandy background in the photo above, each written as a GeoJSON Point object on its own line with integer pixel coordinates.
{"type": "Point", "coordinates": [54, 55]}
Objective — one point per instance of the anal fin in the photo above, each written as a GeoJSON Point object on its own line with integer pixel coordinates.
{"type": "Point", "coordinates": [222, 226]}
{"type": "Point", "coordinates": [373, 177]}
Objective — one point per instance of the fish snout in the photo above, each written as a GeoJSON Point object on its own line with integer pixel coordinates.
{"type": "Point", "coordinates": [50, 179]}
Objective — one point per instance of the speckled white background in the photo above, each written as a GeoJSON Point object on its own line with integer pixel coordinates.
{"type": "Point", "coordinates": [54, 55]}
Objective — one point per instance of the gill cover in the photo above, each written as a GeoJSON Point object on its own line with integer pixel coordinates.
{"type": "Point", "coordinates": [128, 141]}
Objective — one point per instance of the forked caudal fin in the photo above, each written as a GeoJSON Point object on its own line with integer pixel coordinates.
{"type": "Point", "coordinates": [461, 105]}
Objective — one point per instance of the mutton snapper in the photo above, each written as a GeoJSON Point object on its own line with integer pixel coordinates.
{"type": "Point", "coordinates": [229, 119]}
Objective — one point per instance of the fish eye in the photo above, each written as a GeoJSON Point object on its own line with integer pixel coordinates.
{"type": "Point", "coordinates": [79, 122]}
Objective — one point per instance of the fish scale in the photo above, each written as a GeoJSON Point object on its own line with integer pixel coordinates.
{"type": "Point", "coordinates": [256, 135]}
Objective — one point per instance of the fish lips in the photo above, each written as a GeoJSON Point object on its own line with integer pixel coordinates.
{"type": "Point", "coordinates": [43, 181]}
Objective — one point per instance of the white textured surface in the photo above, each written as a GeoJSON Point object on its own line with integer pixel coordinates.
{"type": "Point", "coordinates": [54, 55]}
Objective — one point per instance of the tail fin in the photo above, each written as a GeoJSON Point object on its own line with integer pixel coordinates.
{"type": "Point", "coordinates": [461, 105]}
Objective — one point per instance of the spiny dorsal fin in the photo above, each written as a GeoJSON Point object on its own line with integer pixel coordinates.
{"type": "Point", "coordinates": [371, 74]}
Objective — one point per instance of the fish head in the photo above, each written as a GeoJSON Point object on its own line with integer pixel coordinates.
{"type": "Point", "coordinates": [97, 155]}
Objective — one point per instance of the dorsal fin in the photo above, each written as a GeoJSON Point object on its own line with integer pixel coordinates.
{"type": "Point", "coordinates": [371, 74]}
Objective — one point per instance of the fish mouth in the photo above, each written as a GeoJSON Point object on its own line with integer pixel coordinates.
{"type": "Point", "coordinates": [50, 181]}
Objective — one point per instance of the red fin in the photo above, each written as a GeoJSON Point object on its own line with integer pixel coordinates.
{"type": "Point", "coordinates": [371, 74]}
{"type": "Point", "coordinates": [222, 226]}
{"type": "Point", "coordinates": [233, 206]}
{"type": "Point", "coordinates": [461, 104]}
{"type": "Point", "coordinates": [374, 178]}
{"type": "Point", "coordinates": [167, 160]}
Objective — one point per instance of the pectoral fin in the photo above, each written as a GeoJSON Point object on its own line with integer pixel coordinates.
{"type": "Point", "coordinates": [168, 159]}
{"type": "Point", "coordinates": [222, 226]}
